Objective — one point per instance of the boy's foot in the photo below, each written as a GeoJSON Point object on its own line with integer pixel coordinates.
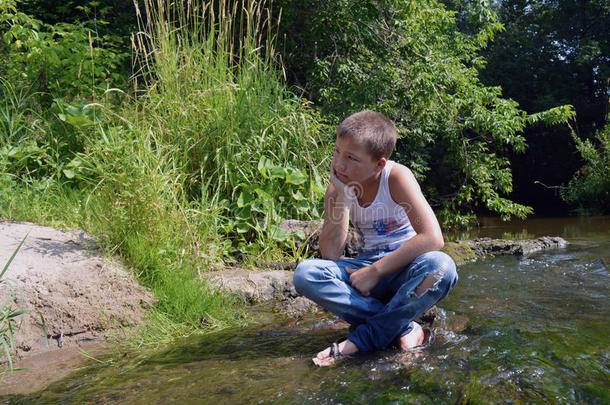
{"type": "Point", "coordinates": [413, 343]}
{"type": "Point", "coordinates": [335, 353]}
{"type": "Point", "coordinates": [412, 339]}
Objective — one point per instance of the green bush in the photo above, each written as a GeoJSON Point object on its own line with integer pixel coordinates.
{"type": "Point", "coordinates": [60, 60]}
{"type": "Point", "coordinates": [589, 189]}
{"type": "Point", "coordinates": [37, 147]}
{"type": "Point", "coordinates": [215, 97]}
{"type": "Point", "coordinates": [46, 71]}
{"type": "Point", "coordinates": [21, 133]}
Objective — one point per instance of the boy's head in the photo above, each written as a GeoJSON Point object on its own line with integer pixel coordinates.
{"type": "Point", "coordinates": [371, 129]}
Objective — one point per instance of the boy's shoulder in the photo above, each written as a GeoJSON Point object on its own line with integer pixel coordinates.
{"type": "Point", "coordinates": [401, 181]}
{"type": "Point", "coordinates": [400, 172]}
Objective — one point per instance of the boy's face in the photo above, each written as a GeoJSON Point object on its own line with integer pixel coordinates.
{"type": "Point", "coordinates": [352, 163]}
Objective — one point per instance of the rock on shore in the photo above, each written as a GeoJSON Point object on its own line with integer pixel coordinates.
{"type": "Point", "coordinates": [64, 277]}
{"type": "Point", "coordinates": [276, 285]}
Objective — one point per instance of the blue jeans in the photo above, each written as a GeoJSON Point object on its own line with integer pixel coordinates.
{"type": "Point", "coordinates": [391, 307]}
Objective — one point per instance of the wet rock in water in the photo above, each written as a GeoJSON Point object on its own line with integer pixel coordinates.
{"type": "Point", "coordinates": [487, 247]}
{"type": "Point", "coordinates": [428, 317]}
{"type": "Point", "coordinates": [257, 286]}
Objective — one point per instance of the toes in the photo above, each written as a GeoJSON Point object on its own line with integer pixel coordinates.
{"type": "Point", "coordinates": [323, 362]}
{"type": "Point", "coordinates": [323, 354]}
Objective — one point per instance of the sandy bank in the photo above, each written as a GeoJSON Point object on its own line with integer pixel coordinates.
{"type": "Point", "coordinates": [63, 276]}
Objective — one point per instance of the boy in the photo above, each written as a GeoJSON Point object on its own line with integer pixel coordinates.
{"type": "Point", "coordinates": [400, 273]}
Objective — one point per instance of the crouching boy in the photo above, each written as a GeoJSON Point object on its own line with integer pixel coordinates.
{"type": "Point", "coordinates": [400, 273]}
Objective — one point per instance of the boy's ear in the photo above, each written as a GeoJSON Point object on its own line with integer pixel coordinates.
{"type": "Point", "coordinates": [381, 163]}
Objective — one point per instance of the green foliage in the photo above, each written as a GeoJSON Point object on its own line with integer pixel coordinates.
{"type": "Point", "coordinates": [20, 130]}
{"type": "Point", "coordinates": [215, 97]}
{"type": "Point", "coordinates": [33, 146]}
{"type": "Point", "coordinates": [410, 61]}
{"type": "Point", "coordinates": [43, 66]}
{"type": "Point", "coordinates": [279, 192]}
{"type": "Point", "coordinates": [66, 60]}
{"type": "Point", "coordinates": [589, 188]}
{"type": "Point", "coordinates": [551, 52]}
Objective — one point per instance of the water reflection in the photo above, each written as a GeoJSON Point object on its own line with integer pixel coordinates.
{"type": "Point", "coordinates": [573, 228]}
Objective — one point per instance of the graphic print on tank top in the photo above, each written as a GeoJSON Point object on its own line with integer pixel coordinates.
{"type": "Point", "coordinates": [386, 225]}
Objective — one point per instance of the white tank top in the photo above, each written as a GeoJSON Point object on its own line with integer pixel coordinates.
{"type": "Point", "coordinates": [383, 225]}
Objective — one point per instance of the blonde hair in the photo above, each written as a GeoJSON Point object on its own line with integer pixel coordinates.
{"type": "Point", "coordinates": [374, 130]}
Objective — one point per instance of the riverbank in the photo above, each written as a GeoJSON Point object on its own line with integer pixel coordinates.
{"type": "Point", "coordinates": [75, 293]}
{"type": "Point", "coordinates": [86, 297]}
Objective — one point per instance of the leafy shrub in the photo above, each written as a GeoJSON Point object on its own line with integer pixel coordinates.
{"type": "Point", "coordinates": [33, 146]}
{"type": "Point", "coordinates": [63, 60]}
{"type": "Point", "coordinates": [21, 131]}
{"type": "Point", "coordinates": [280, 192]}
{"type": "Point", "coordinates": [589, 189]}
{"type": "Point", "coordinates": [215, 97]}
{"type": "Point", "coordinates": [41, 67]}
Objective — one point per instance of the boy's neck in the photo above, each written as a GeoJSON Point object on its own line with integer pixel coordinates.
{"type": "Point", "coordinates": [369, 189]}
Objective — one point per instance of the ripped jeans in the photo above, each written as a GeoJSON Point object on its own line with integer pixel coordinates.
{"type": "Point", "coordinates": [388, 312]}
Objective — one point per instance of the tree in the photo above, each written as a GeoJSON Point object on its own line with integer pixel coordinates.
{"type": "Point", "coordinates": [410, 61]}
{"type": "Point", "coordinates": [589, 188]}
{"type": "Point", "coordinates": [551, 52]}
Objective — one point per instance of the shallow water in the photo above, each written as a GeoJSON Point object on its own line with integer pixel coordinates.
{"type": "Point", "coordinates": [531, 329]}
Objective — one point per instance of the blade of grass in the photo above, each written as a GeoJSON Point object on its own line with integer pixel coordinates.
{"type": "Point", "coordinates": [6, 266]}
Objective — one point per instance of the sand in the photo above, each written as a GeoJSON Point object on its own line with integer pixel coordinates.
{"type": "Point", "coordinates": [82, 295]}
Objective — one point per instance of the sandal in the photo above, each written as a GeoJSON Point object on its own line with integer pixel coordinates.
{"type": "Point", "coordinates": [334, 357]}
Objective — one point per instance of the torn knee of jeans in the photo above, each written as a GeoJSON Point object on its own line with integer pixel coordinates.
{"type": "Point", "coordinates": [431, 281]}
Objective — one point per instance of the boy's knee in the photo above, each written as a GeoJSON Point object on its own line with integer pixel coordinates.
{"type": "Point", "coordinates": [446, 268]}
{"type": "Point", "coordinates": [303, 275]}
{"type": "Point", "coordinates": [441, 262]}
{"type": "Point", "coordinates": [443, 270]}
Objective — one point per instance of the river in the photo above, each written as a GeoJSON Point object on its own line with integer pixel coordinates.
{"type": "Point", "coordinates": [531, 329]}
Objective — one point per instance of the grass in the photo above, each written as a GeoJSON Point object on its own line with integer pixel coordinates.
{"type": "Point", "coordinates": [7, 317]}
{"type": "Point", "coordinates": [158, 180]}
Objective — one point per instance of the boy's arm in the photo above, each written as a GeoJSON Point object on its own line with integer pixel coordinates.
{"type": "Point", "coordinates": [336, 220]}
{"type": "Point", "coordinates": [406, 192]}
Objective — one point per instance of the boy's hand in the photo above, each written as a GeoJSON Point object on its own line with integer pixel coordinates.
{"type": "Point", "coordinates": [347, 192]}
{"type": "Point", "coordinates": [364, 279]}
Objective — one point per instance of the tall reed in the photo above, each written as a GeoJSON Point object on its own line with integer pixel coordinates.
{"type": "Point", "coordinates": [215, 92]}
